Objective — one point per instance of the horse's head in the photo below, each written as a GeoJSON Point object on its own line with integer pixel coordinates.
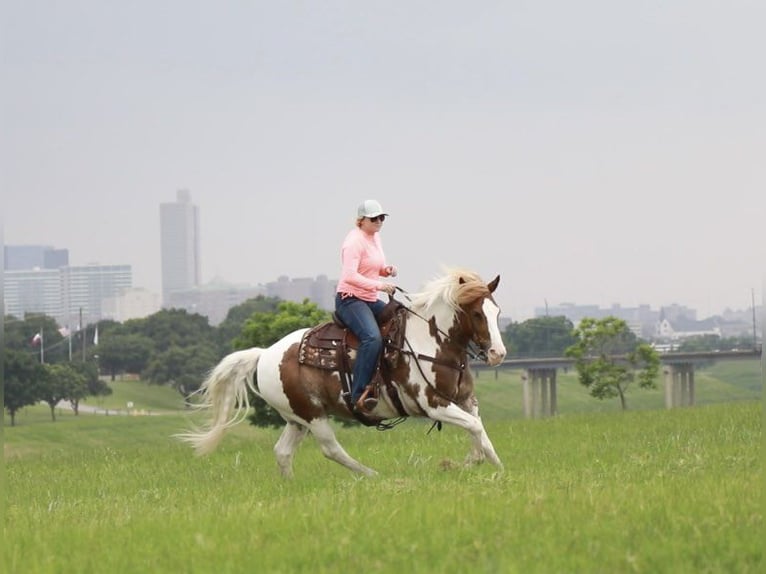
{"type": "Point", "coordinates": [478, 318]}
{"type": "Point", "coordinates": [461, 303]}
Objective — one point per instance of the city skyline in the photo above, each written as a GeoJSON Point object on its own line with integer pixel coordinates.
{"type": "Point", "coordinates": [591, 153]}
{"type": "Point", "coordinates": [302, 284]}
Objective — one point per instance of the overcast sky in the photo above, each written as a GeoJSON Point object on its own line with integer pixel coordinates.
{"type": "Point", "coordinates": [593, 152]}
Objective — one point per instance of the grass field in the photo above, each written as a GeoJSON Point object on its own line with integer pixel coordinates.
{"type": "Point", "coordinates": [649, 490]}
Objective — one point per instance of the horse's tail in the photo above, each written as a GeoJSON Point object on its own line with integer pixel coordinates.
{"type": "Point", "coordinates": [225, 392]}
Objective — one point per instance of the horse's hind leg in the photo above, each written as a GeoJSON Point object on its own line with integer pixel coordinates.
{"type": "Point", "coordinates": [286, 445]}
{"type": "Point", "coordinates": [331, 448]}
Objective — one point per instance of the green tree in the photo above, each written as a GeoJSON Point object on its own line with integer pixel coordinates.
{"type": "Point", "coordinates": [22, 381]}
{"type": "Point", "coordinates": [19, 334]}
{"type": "Point", "coordinates": [62, 382]}
{"type": "Point", "coordinates": [231, 327]}
{"type": "Point", "coordinates": [183, 368]}
{"type": "Point", "coordinates": [609, 357]}
{"type": "Point", "coordinates": [172, 328]}
{"type": "Point", "coordinates": [539, 337]}
{"type": "Point", "coordinates": [124, 353]}
{"type": "Point", "coordinates": [264, 329]}
{"type": "Point", "coordinates": [94, 385]}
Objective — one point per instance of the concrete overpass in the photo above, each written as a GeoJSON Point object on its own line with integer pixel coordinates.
{"type": "Point", "coordinates": [538, 377]}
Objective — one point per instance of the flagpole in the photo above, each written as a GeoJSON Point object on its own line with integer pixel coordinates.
{"type": "Point", "coordinates": [70, 343]}
{"type": "Point", "coordinates": [82, 334]}
{"type": "Point", "coordinates": [42, 346]}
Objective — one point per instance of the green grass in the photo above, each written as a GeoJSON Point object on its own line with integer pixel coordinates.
{"type": "Point", "coordinates": [592, 490]}
{"type": "Point", "coordinates": [146, 399]}
{"type": "Point", "coordinates": [643, 491]}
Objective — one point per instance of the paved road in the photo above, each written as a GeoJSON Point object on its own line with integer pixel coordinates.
{"type": "Point", "coordinates": [86, 408]}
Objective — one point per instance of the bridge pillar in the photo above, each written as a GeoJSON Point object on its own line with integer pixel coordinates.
{"type": "Point", "coordinates": [679, 385]}
{"type": "Point", "coordinates": [539, 388]}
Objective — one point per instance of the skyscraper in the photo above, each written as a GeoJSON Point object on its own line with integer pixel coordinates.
{"type": "Point", "coordinates": [179, 244]}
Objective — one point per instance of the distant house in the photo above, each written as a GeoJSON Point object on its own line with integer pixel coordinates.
{"type": "Point", "coordinates": [683, 328]}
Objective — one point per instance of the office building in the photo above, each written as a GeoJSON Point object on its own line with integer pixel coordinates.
{"type": "Point", "coordinates": [84, 288]}
{"type": "Point", "coordinates": [212, 301]}
{"type": "Point", "coordinates": [179, 245]}
{"type": "Point", "coordinates": [32, 291]}
{"type": "Point", "coordinates": [320, 290]}
{"type": "Point", "coordinates": [135, 303]}
{"type": "Point", "coordinates": [67, 294]}
{"type": "Point", "coordinates": [24, 257]}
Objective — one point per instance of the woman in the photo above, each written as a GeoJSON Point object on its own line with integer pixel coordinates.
{"type": "Point", "coordinates": [356, 300]}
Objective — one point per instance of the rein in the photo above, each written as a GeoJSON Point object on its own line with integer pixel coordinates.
{"type": "Point", "coordinates": [480, 354]}
{"type": "Point", "coordinates": [460, 367]}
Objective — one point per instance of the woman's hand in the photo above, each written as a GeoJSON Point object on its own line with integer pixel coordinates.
{"type": "Point", "coordinates": [390, 271]}
{"type": "Point", "coordinates": [388, 288]}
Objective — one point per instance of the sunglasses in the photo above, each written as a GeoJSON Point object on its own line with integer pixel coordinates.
{"type": "Point", "coordinates": [377, 218]}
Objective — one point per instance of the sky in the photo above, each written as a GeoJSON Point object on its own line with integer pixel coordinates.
{"type": "Point", "coordinates": [591, 152]}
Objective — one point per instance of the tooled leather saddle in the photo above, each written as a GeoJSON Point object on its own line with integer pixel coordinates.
{"type": "Point", "coordinates": [327, 346]}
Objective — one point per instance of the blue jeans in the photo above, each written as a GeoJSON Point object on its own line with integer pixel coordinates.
{"type": "Point", "coordinates": [360, 317]}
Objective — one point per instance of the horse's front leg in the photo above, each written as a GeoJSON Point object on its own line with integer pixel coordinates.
{"type": "Point", "coordinates": [476, 453]}
{"type": "Point", "coordinates": [481, 445]}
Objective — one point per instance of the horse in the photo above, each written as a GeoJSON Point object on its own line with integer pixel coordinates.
{"type": "Point", "coordinates": [426, 376]}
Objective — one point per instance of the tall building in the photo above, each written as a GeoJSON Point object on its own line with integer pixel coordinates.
{"type": "Point", "coordinates": [23, 257]}
{"type": "Point", "coordinates": [84, 287]}
{"type": "Point", "coordinates": [179, 245]}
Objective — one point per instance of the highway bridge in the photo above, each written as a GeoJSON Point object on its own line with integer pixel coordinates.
{"type": "Point", "coordinates": [538, 376]}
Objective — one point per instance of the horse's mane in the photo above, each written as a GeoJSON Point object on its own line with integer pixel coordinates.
{"type": "Point", "coordinates": [448, 290]}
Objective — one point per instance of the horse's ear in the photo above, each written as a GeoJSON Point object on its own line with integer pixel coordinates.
{"type": "Point", "coordinates": [493, 284]}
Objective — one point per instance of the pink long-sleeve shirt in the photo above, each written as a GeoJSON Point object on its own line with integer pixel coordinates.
{"type": "Point", "coordinates": [363, 262]}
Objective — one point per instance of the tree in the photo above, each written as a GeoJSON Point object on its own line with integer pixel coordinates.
{"type": "Point", "coordinates": [231, 327]}
{"type": "Point", "coordinates": [539, 337]}
{"type": "Point", "coordinates": [21, 382]}
{"type": "Point", "coordinates": [93, 385]}
{"type": "Point", "coordinates": [62, 382]}
{"type": "Point", "coordinates": [609, 357]}
{"type": "Point", "coordinates": [184, 368]}
{"type": "Point", "coordinates": [172, 328]}
{"type": "Point", "coordinates": [124, 353]}
{"type": "Point", "coordinates": [263, 330]}
{"type": "Point", "coordinates": [19, 335]}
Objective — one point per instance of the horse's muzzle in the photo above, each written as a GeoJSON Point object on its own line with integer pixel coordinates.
{"type": "Point", "coordinates": [494, 357]}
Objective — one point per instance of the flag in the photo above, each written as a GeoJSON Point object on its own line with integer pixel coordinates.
{"type": "Point", "coordinates": [36, 339]}
{"type": "Point", "coordinates": [95, 336]}
{"type": "Point", "coordinates": [64, 331]}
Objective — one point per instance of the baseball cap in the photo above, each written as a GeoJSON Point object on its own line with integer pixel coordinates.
{"type": "Point", "coordinates": [370, 208]}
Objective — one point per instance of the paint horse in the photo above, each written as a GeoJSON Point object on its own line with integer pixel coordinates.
{"type": "Point", "coordinates": [454, 316]}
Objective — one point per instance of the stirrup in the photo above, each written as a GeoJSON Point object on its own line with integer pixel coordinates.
{"type": "Point", "coordinates": [366, 402]}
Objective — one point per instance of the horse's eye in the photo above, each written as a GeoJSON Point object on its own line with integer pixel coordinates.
{"type": "Point", "coordinates": [477, 316]}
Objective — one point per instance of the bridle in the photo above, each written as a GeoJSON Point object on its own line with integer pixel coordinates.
{"type": "Point", "coordinates": [458, 366]}
{"type": "Point", "coordinates": [473, 349]}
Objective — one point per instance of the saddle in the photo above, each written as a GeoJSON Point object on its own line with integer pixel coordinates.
{"type": "Point", "coordinates": [327, 346]}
